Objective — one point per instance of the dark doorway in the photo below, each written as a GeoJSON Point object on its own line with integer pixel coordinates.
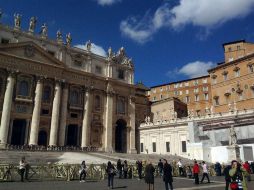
{"type": "Point", "coordinates": [121, 136]}
{"type": "Point", "coordinates": [42, 139]}
{"type": "Point", "coordinates": [18, 132]}
{"type": "Point", "coordinates": [72, 135]}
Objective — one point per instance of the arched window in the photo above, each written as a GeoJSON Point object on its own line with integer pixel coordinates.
{"type": "Point", "coordinates": [97, 102]}
{"type": "Point", "coordinates": [23, 88]}
{"type": "Point", "coordinates": [74, 98]}
{"type": "Point", "coordinates": [46, 93]}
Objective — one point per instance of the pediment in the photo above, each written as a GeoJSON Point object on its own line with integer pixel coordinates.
{"type": "Point", "coordinates": [30, 51]}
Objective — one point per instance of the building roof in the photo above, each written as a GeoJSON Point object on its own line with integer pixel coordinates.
{"type": "Point", "coordinates": [205, 76]}
{"type": "Point", "coordinates": [233, 42]}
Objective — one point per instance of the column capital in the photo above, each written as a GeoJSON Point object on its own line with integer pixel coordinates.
{"type": "Point", "coordinates": [12, 72]}
{"type": "Point", "coordinates": [40, 78]}
{"type": "Point", "coordinates": [87, 89]}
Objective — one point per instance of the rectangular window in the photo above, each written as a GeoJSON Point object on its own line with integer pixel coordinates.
{"type": "Point", "coordinates": [214, 81]}
{"type": "Point", "coordinates": [184, 148]}
{"type": "Point", "coordinates": [121, 74]}
{"type": "Point", "coordinates": [238, 47]}
{"type": "Point", "coordinates": [98, 69]}
{"type": "Point", "coordinates": [251, 68]}
{"type": "Point", "coordinates": [176, 85]}
{"type": "Point", "coordinates": [180, 85]}
{"type": "Point", "coordinates": [195, 90]}
{"type": "Point", "coordinates": [204, 81]}
{"type": "Point", "coordinates": [161, 96]}
{"type": "Point", "coordinates": [196, 97]}
{"type": "Point", "coordinates": [154, 146]}
{"type": "Point", "coordinates": [195, 82]}
{"type": "Point", "coordinates": [154, 98]}
{"type": "Point", "coordinates": [186, 91]}
{"type": "Point", "coordinates": [237, 73]}
{"type": "Point", "coordinates": [167, 146]}
{"type": "Point", "coordinates": [225, 77]}
{"type": "Point", "coordinates": [216, 101]}
{"type": "Point", "coordinates": [187, 99]}
{"type": "Point", "coordinates": [141, 147]}
{"type": "Point", "coordinates": [205, 88]}
{"type": "Point", "coordinates": [161, 89]}
{"type": "Point", "coordinates": [186, 84]}
{"type": "Point", "coordinates": [206, 96]}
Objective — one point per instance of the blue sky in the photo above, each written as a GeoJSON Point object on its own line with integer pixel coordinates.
{"type": "Point", "coordinates": [169, 40]}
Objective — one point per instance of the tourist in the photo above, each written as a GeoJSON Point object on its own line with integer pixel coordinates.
{"type": "Point", "coordinates": [111, 173]}
{"type": "Point", "coordinates": [22, 168]}
{"type": "Point", "coordinates": [252, 167]}
{"type": "Point", "coordinates": [246, 166]}
{"type": "Point", "coordinates": [139, 168]}
{"type": "Point", "coordinates": [160, 167]}
{"type": "Point", "coordinates": [238, 174]}
{"type": "Point", "coordinates": [189, 172]}
{"type": "Point", "coordinates": [217, 168]}
{"type": "Point", "coordinates": [196, 172]}
{"type": "Point", "coordinates": [149, 176]}
{"type": "Point", "coordinates": [227, 176]}
{"type": "Point", "coordinates": [125, 168]}
{"type": "Point", "coordinates": [82, 172]}
{"type": "Point", "coordinates": [167, 175]}
{"type": "Point", "coordinates": [119, 168]}
{"type": "Point", "coordinates": [205, 172]}
{"type": "Point", "coordinates": [180, 167]}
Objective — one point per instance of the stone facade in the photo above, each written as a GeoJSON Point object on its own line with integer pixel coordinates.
{"type": "Point", "coordinates": [53, 94]}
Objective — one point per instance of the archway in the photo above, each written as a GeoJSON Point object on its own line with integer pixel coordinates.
{"type": "Point", "coordinates": [42, 138]}
{"type": "Point", "coordinates": [121, 136]}
{"type": "Point", "coordinates": [18, 132]}
{"type": "Point", "coordinates": [72, 135]}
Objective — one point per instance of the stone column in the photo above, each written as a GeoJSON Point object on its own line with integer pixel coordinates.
{"type": "Point", "coordinates": [5, 120]}
{"type": "Point", "coordinates": [36, 114]}
{"type": "Point", "coordinates": [86, 119]}
{"type": "Point", "coordinates": [109, 119]}
{"type": "Point", "coordinates": [55, 115]}
{"type": "Point", "coordinates": [132, 124]}
{"type": "Point", "coordinates": [63, 116]}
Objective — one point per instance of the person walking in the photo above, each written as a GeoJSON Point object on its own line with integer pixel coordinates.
{"type": "Point", "coordinates": [205, 172]}
{"type": "Point", "coordinates": [82, 172]}
{"type": "Point", "coordinates": [217, 168]}
{"type": "Point", "coordinates": [196, 172]}
{"type": "Point", "coordinates": [227, 176]}
{"type": "Point", "coordinates": [238, 174]}
{"type": "Point", "coordinates": [189, 172]}
{"type": "Point", "coordinates": [22, 168]}
{"type": "Point", "coordinates": [180, 167]}
{"type": "Point", "coordinates": [149, 176]}
{"type": "Point", "coordinates": [125, 169]}
{"type": "Point", "coordinates": [160, 167]}
{"type": "Point", "coordinates": [139, 168]}
{"type": "Point", "coordinates": [246, 166]}
{"type": "Point", "coordinates": [167, 175]}
{"type": "Point", "coordinates": [119, 168]}
{"type": "Point", "coordinates": [111, 173]}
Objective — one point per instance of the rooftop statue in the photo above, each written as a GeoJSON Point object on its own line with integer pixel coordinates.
{"type": "Point", "coordinates": [88, 45]}
{"type": "Point", "coordinates": [68, 39]}
{"type": "Point", "coordinates": [59, 36]}
{"type": "Point", "coordinates": [32, 24]}
{"type": "Point", "coordinates": [17, 20]}
{"type": "Point", "coordinates": [110, 52]}
{"type": "Point", "coordinates": [44, 30]}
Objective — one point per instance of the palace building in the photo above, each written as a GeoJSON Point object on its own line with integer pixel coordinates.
{"type": "Point", "coordinates": [56, 95]}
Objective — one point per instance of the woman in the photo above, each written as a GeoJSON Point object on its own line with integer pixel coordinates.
{"type": "Point", "coordinates": [196, 172]}
{"type": "Point", "coordinates": [149, 176]}
{"type": "Point", "coordinates": [167, 175]}
{"type": "Point", "coordinates": [238, 174]}
{"type": "Point", "coordinates": [82, 172]}
{"type": "Point", "coordinates": [22, 168]}
{"type": "Point", "coordinates": [111, 172]}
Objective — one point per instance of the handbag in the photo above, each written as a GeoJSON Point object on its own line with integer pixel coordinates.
{"type": "Point", "coordinates": [234, 185]}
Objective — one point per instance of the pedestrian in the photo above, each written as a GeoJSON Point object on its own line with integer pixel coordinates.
{"type": "Point", "coordinates": [160, 167]}
{"type": "Point", "coordinates": [111, 173]}
{"type": "Point", "coordinates": [205, 172]}
{"type": "Point", "coordinates": [227, 176]}
{"type": "Point", "coordinates": [125, 169]}
{"type": "Point", "coordinates": [149, 176]}
{"type": "Point", "coordinates": [22, 168]}
{"type": "Point", "coordinates": [196, 172]}
{"type": "Point", "coordinates": [180, 167]}
{"type": "Point", "coordinates": [238, 175]}
{"type": "Point", "coordinates": [252, 167]}
{"type": "Point", "coordinates": [189, 172]}
{"type": "Point", "coordinates": [246, 166]}
{"type": "Point", "coordinates": [167, 175]}
{"type": "Point", "coordinates": [119, 168]}
{"type": "Point", "coordinates": [217, 168]}
{"type": "Point", "coordinates": [139, 168]}
{"type": "Point", "coordinates": [82, 172]}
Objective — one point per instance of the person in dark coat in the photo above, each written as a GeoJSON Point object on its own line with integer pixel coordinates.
{"type": "Point", "coordinates": [149, 176]}
{"type": "Point", "coordinates": [167, 175]}
{"type": "Point", "coordinates": [119, 168]}
{"type": "Point", "coordinates": [227, 176]}
{"type": "Point", "coordinates": [217, 168]}
{"type": "Point", "coordinates": [139, 168]}
{"type": "Point", "coordinates": [125, 169]}
{"type": "Point", "coordinates": [160, 167]}
{"type": "Point", "coordinates": [111, 172]}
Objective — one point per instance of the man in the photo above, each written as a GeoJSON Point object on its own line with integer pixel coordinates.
{"type": "Point", "coordinates": [167, 175]}
{"type": "Point", "coordinates": [139, 168]}
{"type": "Point", "coordinates": [196, 172]}
{"type": "Point", "coordinates": [180, 167]}
{"type": "Point", "coordinates": [119, 168]}
{"type": "Point", "coordinates": [205, 172]}
{"type": "Point", "coordinates": [160, 167]}
{"type": "Point", "coordinates": [217, 168]}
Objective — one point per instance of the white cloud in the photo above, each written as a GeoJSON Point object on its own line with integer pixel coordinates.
{"type": "Point", "coordinates": [107, 2]}
{"type": "Point", "coordinates": [207, 14]}
{"type": "Point", "coordinates": [195, 69]}
{"type": "Point", "coordinates": [96, 49]}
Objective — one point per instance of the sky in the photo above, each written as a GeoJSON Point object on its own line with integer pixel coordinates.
{"type": "Point", "coordinates": [168, 40]}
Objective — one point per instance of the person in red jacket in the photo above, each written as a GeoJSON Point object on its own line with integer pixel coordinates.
{"type": "Point", "coordinates": [195, 171]}
{"type": "Point", "coordinates": [246, 166]}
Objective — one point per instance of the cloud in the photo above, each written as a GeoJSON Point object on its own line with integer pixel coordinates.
{"type": "Point", "coordinates": [192, 69]}
{"type": "Point", "coordinates": [107, 2]}
{"type": "Point", "coordinates": [207, 14]}
{"type": "Point", "coordinates": [96, 49]}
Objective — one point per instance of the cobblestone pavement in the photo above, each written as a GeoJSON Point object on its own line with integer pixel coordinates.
{"type": "Point", "coordinates": [128, 184]}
